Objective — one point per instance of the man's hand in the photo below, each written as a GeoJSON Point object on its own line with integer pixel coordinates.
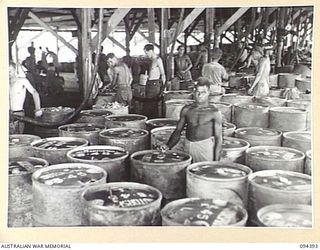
{"type": "Point", "coordinates": [163, 148]}
{"type": "Point", "coordinates": [250, 91]}
{"type": "Point", "coordinates": [38, 113]}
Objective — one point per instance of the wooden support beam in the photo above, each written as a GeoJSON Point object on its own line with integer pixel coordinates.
{"type": "Point", "coordinates": [15, 28]}
{"type": "Point", "coordinates": [151, 25]}
{"type": "Point", "coordinates": [117, 43]}
{"type": "Point", "coordinates": [209, 32]}
{"type": "Point", "coordinates": [191, 28]}
{"type": "Point", "coordinates": [164, 32]}
{"type": "Point", "coordinates": [49, 29]}
{"type": "Point", "coordinates": [186, 22]}
{"type": "Point", "coordinates": [111, 24]}
{"type": "Point", "coordinates": [232, 19]}
{"type": "Point", "coordinates": [199, 41]}
{"type": "Point", "coordinates": [147, 38]}
{"type": "Point", "coordinates": [138, 24]}
{"type": "Point", "coordinates": [133, 18]}
{"type": "Point", "coordinates": [128, 35]}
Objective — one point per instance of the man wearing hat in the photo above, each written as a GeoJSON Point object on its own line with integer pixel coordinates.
{"type": "Point", "coordinates": [215, 72]}
{"type": "Point", "coordinates": [260, 86]}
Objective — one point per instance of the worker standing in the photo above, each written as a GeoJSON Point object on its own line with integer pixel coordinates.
{"type": "Point", "coordinates": [156, 82]}
{"type": "Point", "coordinates": [203, 124]}
{"type": "Point", "coordinates": [183, 65]}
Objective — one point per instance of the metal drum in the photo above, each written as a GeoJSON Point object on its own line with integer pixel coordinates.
{"type": "Point", "coordinates": [130, 139]}
{"type": "Point", "coordinates": [160, 136]}
{"type": "Point", "coordinates": [20, 189]}
{"type": "Point", "coordinates": [177, 94]}
{"type": "Point", "coordinates": [121, 204]}
{"type": "Point", "coordinates": [302, 104]}
{"type": "Point", "coordinates": [54, 149]}
{"type": "Point", "coordinates": [112, 159]}
{"type": "Point", "coordinates": [94, 116]}
{"type": "Point", "coordinates": [274, 158]}
{"type": "Point", "coordinates": [173, 107]}
{"type": "Point", "coordinates": [128, 121]}
{"type": "Point", "coordinates": [308, 163]}
{"type": "Point", "coordinates": [57, 190]}
{"type": "Point", "coordinates": [259, 136]}
{"type": "Point", "coordinates": [113, 107]}
{"type": "Point", "coordinates": [300, 140]}
{"type": "Point", "coordinates": [203, 212]}
{"type": "Point", "coordinates": [287, 80]}
{"type": "Point", "coordinates": [225, 109]}
{"type": "Point", "coordinates": [20, 145]}
{"type": "Point", "coordinates": [271, 101]}
{"type": "Point", "coordinates": [303, 84]}
{"type": "Point", "coordinates": [248, 115]}
{"type": "Point", "coordinates": [228, 129]}
{"type": "Point", "coordinates": [160, 122]}
{"type": "Point", "coordinates": [233, 150]}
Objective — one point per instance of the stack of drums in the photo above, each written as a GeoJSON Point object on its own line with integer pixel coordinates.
{"type": "Point", "coordinates": [274, 158]}
{"type": "Point", "coordinates": [112, 159]}
{"type": "Point", "coordinates": [164, 171]}
{"type": "Point", "coordinates": [248, 115]}
{"type": "Point", "coordinates": [20, 189]}
{"type": "Point", "coordinates": [288, 119]}
{"type": "Point", "coordinates": [87, 131]}
{"type": "Point", "coordinates": [259, 136]}
{"type": "Point", "coordinates": [218, 180]}
{"type": "Point", "coordinates": [173, 107]}
{"type": "Point", "coordinates": [277, 187]}
{"type": "Point", "coordinates": [121, 204]}
{"type": "Point", "coordinates": [94, 116]}
{"type": "Point", "coordinates": [160, 136]}
{"type": "Point", "coordinates": [302, 104]}
{"type": "Point", "coordinates": [57, 190]}
{"type": "Point", "coordinates": [52, 115]}
{"type": "Point", "coordinates": [20, 145]}
{"type": "Point", "coordinates": [130, 139]}
{"type": "Point", "coordinates": [203, 212]}
{"type": "Point", "coordinates": [55, 149]}
{"type": "Point", "coordinates": [128, 121]}
{"type": "Point", "coordinates": [233, 150]}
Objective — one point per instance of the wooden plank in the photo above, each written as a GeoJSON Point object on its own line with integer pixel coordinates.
{"type": "Point", "coordinates": [116, 43]}
{"type": "Point", "coordinates": [49, 29]}
{"type": "Point", "coordinates": [128, 35]}
{"type": "Point", "coordinates": [151, 25]}
{"type": "Point", "coordinates": [209, 32]}
{"type": "Point", "coordinates": [138, 24]}
{"type": "Point", "coordinates": [147, 38]}
{"type": "Point", "coordinates": [186, 22]}
{"type": "Point", "coordinates": [111, 24]}
{"type": "Point", "coordinates": [164, 32]}
{"type": "Point", "coordinates": [232, 19]}
{"type": "Point", "coordinates": [18, 25]}
{"type": "Point", "coordinates": [199, 41]}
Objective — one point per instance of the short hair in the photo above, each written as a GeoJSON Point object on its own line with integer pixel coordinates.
{"type": "Point", "coordinates": [180, 46]}
{"type": "Point", "coordinates": [148, 47]}
{"type": "Point", "coordinates": [31, 50]}
{"type": "Point", "coordinates": [110, 56]}
{"type": "Point", "coordinates": [203, 81]}
{"type": "Point", "coordinates": [216, 53]}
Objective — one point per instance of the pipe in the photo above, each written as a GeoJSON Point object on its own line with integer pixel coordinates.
{"type": "Point", "coordinates": [85, 100]}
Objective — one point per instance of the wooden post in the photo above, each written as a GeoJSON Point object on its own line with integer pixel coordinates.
{"type": "Point", "coordinates": [128, 37]}
{"type": "Point", "coordinates": [280, 36]}
{"type": "Point", "coordinates": [164, 38]}
{"type": "Point", "coordinates": [210, 14]}
{"type": "Point", "coordinates": [151, 25]}
{"type": "Point", "coordinates": [86, 50]}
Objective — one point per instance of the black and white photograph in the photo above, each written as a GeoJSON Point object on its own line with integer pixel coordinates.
{"type": "Point", "coordinates": [160, 117]}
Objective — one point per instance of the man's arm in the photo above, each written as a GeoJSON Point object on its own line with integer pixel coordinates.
{"type": "Point", "coordinates": [225, 75]}
{"type": "Point", "coordinates": [35, 95]}
{"type": "Point", "coordinates": [162, 73]}
{"type": "Point", "coordinates": [189, 63]}
{"type": "Point", "coordinates": [217, 135]}
{"type": "Point", "coordinates": [175, 136]}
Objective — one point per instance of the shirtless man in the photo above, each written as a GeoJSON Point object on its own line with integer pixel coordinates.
{"type": "Point", "coordinates": [260, 86]}
{"type": "Point", "coordinates": [156, 81]}
{"type": "Point", "coordinates": [204, 126]}
{"type": "Point", "coordinates": [17, 94]}
{"type": "Point", "coordinates": [121, 79]}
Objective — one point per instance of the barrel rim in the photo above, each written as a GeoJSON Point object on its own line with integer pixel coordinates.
{"type": "Point", "coordinates": [154, 130]}
{"type": "Point", "coordinates": [123, 138]}
{"type": "Point", "coordinates": [283, 110]}
{"type": "Point", "coordinates": [217, 163]}
{"type": "Point", "coordinates": [289, 74]}
{"type": "Point", "coordinates": [167, 207]}
{"type": "Point", "coordinates": [149, 122]}
{"type": "Point", "coordinates": [249, 150]}
{"type": "Point", "coordinates": [70, 109]}
{"type": "Point", "coordinates": [36, 138]}
{"type": "Point", "coordinates": [87, 112]}
{"type": "Point", "coordinates": [177, 91]}
{"type": "Point", "coordinates": [274, 207]}
{"type": "Point", "coordinates": [303, 79]}
{"type": "Point", "coordinates": [132, 159]}
{"type": "Point", "coordinates": [288, 135]}
{"type": "Point", "coordinates": [46, 164]}
{"type": "Point", "coordinates": [37, 173]}
{"type": "Point", "coordinates": [182, 101]}
{"type": "Point", "coordinates": [226, 104]}
{"type": "Point", "coordinates": [302, 175]}
{"type": "Point", "coordinates": [78, 124]}
{"type": "Point", "coordinates": [279, 133]}
{"type": "Point", "coordinates": [303, 102]}
{"type": "Point", "coordinates": [97, 147]}
{"type": "Point", "coordinates": [242, 105]}
{"type": "Point", "coordinates": [85, 143]}
{"type": "Point", "coordinates": [236, 149]}
{"type": "Point", "coordinates": [309, 154]}
{"type": "Point", "coordinates": [121, 184]}
{"type": "Point", "coordinates": [144, 118]}
{"type": "Point", "coordinates": [230, 127]}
